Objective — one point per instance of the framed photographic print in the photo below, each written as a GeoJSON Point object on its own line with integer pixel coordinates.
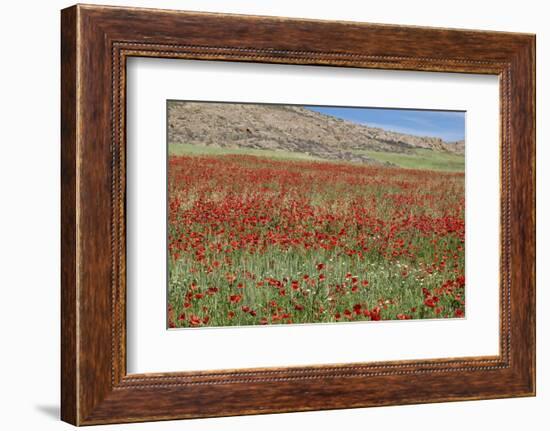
{"type": "Point", "coordinates": [323, 214]}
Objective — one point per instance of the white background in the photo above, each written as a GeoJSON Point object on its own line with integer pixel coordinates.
{"type": "Point", "coordinates": [151, 348]}
{"type": "Point", "coordinates": [29, 225]}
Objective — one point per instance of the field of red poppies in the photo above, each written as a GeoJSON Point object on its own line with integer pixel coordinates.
{"type": "Point", "coordinates": [260, 241]}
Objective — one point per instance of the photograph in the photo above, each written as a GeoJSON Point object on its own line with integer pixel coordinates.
{"type": "Point", "coordinates": [301, 214]}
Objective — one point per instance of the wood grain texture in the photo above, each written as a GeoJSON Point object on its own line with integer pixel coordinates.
{"type": "Point", "coordinates": [69, 366]}
{"type": "Point", "coordinates": [96, 41]}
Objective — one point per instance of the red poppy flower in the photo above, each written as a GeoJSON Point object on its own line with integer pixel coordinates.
{"type": "Point", "coordinates": [235, 299]}
{"type": "Point", "coordinates": [459, 313]}
{"type": "Point", "coordinates": [320, 266]}
{"type": "Point", "coordinates": [194, 320]}
{"type": "Point", "coordinates": [429, 302]}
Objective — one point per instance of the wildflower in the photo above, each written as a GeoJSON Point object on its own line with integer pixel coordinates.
{"type": "Point", "coordinates": [235, 299]}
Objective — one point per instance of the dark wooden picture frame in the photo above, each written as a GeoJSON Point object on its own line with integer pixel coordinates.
{"type": "Point", "coordinates": [96, 41]}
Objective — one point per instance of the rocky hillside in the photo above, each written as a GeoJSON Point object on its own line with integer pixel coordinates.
{"type": "Point", "coordinates": [456, 147]}
{"type": "Point", "coordinates": [287, 128]}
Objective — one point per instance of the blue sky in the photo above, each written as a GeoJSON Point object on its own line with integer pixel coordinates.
{"type": "Point", "coordinates": [447, 125]}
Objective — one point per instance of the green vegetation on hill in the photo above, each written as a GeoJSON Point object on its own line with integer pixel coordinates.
{"type": "Point", "coordinates": [421, 159]}
{"type": "Point", "coordinates": [424, 159]}
{"type": "Point", "coordinates": [195, 150]}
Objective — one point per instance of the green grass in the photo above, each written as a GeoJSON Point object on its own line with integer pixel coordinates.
{"type": "Point", "coordinates": [196, 150]}
{"type": "Point", "coordinates": [423, 159]}
{"type": "Point", "coordinates": [420, 159]}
